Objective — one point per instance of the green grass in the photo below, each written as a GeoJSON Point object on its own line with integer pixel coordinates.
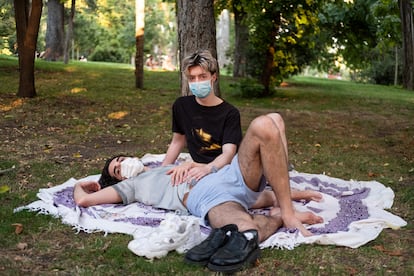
{"type": "Point", "coordinates": [86, 112]}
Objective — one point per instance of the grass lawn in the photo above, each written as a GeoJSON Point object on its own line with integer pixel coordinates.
{"type": "Point", "coordinates": [87, 112]}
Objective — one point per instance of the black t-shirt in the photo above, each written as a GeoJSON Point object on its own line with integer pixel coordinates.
{"type": "Point", "coordinates": [206, 128]}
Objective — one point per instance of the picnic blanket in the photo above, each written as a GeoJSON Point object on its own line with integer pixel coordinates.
{"type": "Point", "coordinates": [354, 213]}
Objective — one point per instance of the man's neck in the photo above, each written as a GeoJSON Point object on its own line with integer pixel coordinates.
{"type": "Point", "coordinates": [210, 100]}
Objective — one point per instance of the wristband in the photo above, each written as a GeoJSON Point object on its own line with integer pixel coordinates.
{"type": "Point", "coordinates": [213, 169]}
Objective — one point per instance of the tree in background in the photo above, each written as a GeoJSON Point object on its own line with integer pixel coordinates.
{"type": "Point", "coordinates": [280, 39]}
{"type": "Point", "coordinates": [363, 33]}
{"type": "Point", "coordinates": [27, 14]}
{"type": "Point", "coordinates": [372, 37]}
{"type": "Point", "coordinates": [139, 38]}
{"type": "Point", "coordinates": [407, 26]}
{"type": "Point", "coordinates": [196, 30]}
{"type": "Point", "coordinates": [161, 31]}
{"type": "Point", "coordinates": [55, 38]}
{"type": "Point", "coordinates": [69, 32]}
{"type": "Point", "coordinates": [104, 30]}
{"type": "Point", "coordinates": [241, 37]}
{"type": "Point", "coordinates": [7, 28]}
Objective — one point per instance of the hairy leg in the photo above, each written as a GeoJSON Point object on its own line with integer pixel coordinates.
{"type": "Point", "coordinates": [234, 213]}
{"type": "Point", "coordinates": [280, 124]}
{"type": "Point", "coordinates": [262, 152]}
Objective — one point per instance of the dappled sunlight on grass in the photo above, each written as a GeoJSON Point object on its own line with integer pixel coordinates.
{"type": "Point", "coordinates": [117, 115]}
{"type": "Point", "coordinates": [12, 105]}
{"type": "Point", "coordinates": [78, 90]}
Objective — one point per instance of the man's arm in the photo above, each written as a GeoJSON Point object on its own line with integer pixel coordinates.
{"type": "Point", "coordinates": [199, 170]}
{"type": "Point", "coordinates": [89, 193]}
{"type": "Point", "coordinates": [228, 152]}
{"type": "Point", "coordinates": [177, 144]}
{"type": "Point", "coordinates": [187, 172]}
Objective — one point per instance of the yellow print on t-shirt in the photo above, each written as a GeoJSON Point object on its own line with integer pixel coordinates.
{"type": "Point", "coordinates": [205, 138]}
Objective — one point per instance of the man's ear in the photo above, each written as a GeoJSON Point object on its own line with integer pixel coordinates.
{"type": "Point", "coordinates": [214, 77]}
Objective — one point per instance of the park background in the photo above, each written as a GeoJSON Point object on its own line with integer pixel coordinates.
{"type": "Point", "coordinates": [84, 112]}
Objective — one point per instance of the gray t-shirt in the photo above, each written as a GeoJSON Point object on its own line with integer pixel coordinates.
{"type": "Point", "coordinates": [154, 188]}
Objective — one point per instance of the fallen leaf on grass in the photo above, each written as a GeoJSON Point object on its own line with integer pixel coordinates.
{"type": "Point", "coordinates": [22, 245]}
{"type": "Point", "coordinates": [372, 174]}
{"type": "Point", "coordinates": [18, 228]}
{"type": "Point", "coordinates": [4, 189]}
{"type": "Point", "coordinates": [352, 270]}
{"type": "Point", "coordinates": [276, 263]}
{"type": "Point", "coordinates": [388, 252]}
{"type": "Point", "coordinates": [117, 115]}
{"type": "Point", "coordinates": [78, 90]}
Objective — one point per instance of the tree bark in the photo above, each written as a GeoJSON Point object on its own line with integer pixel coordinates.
{"type": "Point", "coordinates": [196, 31]}
{"type": "Point", "coordinates": [407, 25]}
{"type": "Point", "coordinates": [27, 29]}
{"type": "Point", "coordinates": [241, 37]}
{"type": "Point", "coordinates": [139, 43]}
{"type": "Point", "coordinates": [69, 33]}
{"type": "Point", "coordinates": [55, 31]}
{"type": "Point", "coordinates": [270, 56]}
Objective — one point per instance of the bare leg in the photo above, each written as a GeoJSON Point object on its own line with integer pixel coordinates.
{"type": "Point", "coordinates": [268, 199]}
{"type": "Point", "coordinates": [280, 124]}
{"type": "Point", "coordinates": [236, 214]}
{"type": "Point", "coordinates": [304, 217]}
{"type": "Point", "coordinates": [262, 152]}
{"type": "Point", "coordinates": [306, 195]}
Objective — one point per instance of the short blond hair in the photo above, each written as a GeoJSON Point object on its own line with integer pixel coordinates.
{"type": "Point", "coordinates": [202, 58]}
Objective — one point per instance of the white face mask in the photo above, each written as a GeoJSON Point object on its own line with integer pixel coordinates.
{"type": "Point", "coordinates": [200, 89]}
{"type": "Point", "coordinates": [131, 167]}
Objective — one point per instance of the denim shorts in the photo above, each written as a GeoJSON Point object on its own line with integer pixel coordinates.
{"type": "Point", "coordinates": [224, 186]}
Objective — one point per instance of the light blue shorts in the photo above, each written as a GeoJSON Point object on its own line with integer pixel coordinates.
{"type": "Point", "coordinates": [224, 186]}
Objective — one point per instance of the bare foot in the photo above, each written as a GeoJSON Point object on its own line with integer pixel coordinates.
{"type": "Point", "coordinates": [304, 217]}
{"type": "Point", "coordinates": [308, 217]}
{"type": "Point", "coordinates": [306, 195]}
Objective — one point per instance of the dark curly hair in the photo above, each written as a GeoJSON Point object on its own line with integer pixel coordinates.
{"type": "Point", "coordinates": [106, 179]}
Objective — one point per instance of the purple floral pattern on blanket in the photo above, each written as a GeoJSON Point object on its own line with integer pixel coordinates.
{"type": "Point", "coordinates": [350, 202]}
{"type": "Point", "coordinates": [64, 197]}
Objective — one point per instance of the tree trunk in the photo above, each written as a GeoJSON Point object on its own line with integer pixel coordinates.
{"type": "Point", "coordinates": [270, 56]}
{"type": "Point", "coordinates": [54, 31]}
{"type": "Point", "coordinates": [27, 29]}
{"type": "Point", "coordinates": [69, 33]}
{"type": "Point", "coordinates": [396, 67]}
{"type": "Point", "coordinates": [139, 43]}
{"type": "Point", "coordinates": [196, 31]}
{"type": "Point", "coordinates": [241, 37]}
{"type": "Point", "coordinates": [223, 38]}
{"type": "Point", "coordinates": [407, 24]}
{"type": "Point", "coordinates": [267, 70]}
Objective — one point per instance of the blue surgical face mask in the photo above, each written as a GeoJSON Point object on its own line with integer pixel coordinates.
{"type": "Point", "coordinates": [200, 89]}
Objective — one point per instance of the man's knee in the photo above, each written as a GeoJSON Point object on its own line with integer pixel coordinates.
{"type": "Point", "coordinates": [278, 119]}
{"type": "Point", "coordinates": [265, 126]}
